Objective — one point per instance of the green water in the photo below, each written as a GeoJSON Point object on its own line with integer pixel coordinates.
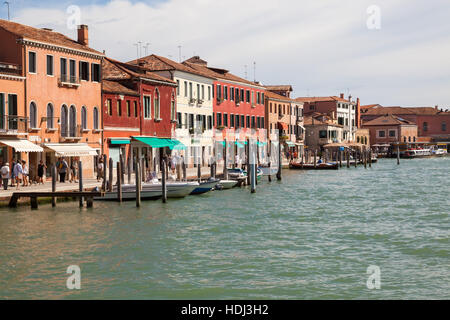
{"type": "Point", "coordinates": [311, 236]}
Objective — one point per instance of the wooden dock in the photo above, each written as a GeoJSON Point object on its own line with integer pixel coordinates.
{"type": "Point", "coordinates": [87, 195]}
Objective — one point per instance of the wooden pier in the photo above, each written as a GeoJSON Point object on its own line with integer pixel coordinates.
{"type": "Point", "coordinates": [88, 195]}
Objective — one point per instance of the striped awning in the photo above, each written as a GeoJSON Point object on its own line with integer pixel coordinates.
{"type": "Point", "coordinates": [21, 145]}
{"type": "Point", "coordinates": [71, 149]}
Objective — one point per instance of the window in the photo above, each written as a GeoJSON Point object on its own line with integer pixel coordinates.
{"type": "Point", "coordinates": [237, 121]}
{"type": "Point", "coordinates": [253, 122]}
{"type": "Point", "coordinates": [147, 107]}
{"type": "Point", "coordinates": [311, 107]}
{"type": "Point", "coordinates": [72, 121]}
{"type": "Point", "coordinates": [185, 121]}
{"type": "Point", "coordinates": [95, 72]}
{"type": "Point", "coordinates": [242, 95]}
{"type": "Point", "coordinates": [346, 121]}
{"type": "Point", "coordinates": [49, 65]}
{"type": "Point", "coordinates": [190, 90]}
{"type": "Point", "coordinates": [392, 133]}
{"type": "Point", "coordinates": [253, 97]}
{"type": "Point", "coordinates": [33, 115]}
{"type": "Point", "coordinates": [248, 121]}
{"type": "Point", "coordinates": [262, 122]}
{"type": "Point", "coordinates": [83, 118]}
{"type": "Point", "coordinates": [225, 120]}
{"type": "Point", "coordinates": [237, 95]}
{"type": "Point", "coordinates": [444, 126]}
{"type": "Point", "coordinates": [49, 116]}
{"type": "Point", "coordinates": [191, 121]}
{"type": "Point", "coordinates": [258, 122]}
{"type": "Point", "coordinates": [232, 120]}
{"type": "Point", "coordinates": [63, 69]}
{"type": "Point", "coordinates": [225, 93]}
{"type": "Point", "coordinates": [198, 91]}
{"type": "Point", "coordinates": [128, 108]}
{"type": "Point", "coordinates": [212, 90]}
{"type": "Point", "coordinates": [178, 87]}
{"type": "Point", "coordinates": [84, 71]}
{"type": "Point", "coordinates": [219, 92]}
{"type": "Point", "coordinates": [425, 126]}
{"type": "Point", "coordinates": [64, 122]}
{"type": "Point", "coordinates": [2, 111]}
{"type": "Point", "coordinates": [323, 134]}
{"type": "Point", "coordinates": [95, 118]}
{"type": "Point", "coordinates": [219, 119]}
{"type": "Point", "coordinates": [209, 93]}
{"type": "Point", "coordinates": [157, 109]}
{"type": "Point", "coordinates": [179, 120]}
{"type": "Point", "coordinates": [32, 62]}
{"type": "Point", "coordinates": [173, 109]}
{"type": "Point", "coordinates": [135, 109]}
{"type": "Point", "coordinates": [242, 122]}
{"type": "Point", "coordinates": [232, 93]}
{"type": "Point", "coordinates": [203, 92]}
{"type": "Point", "coordinates": [270, 107]}
{"type": "Point", "coordinates": [185, 89]}
{"type": "Point", "coordinates": [258, 98]}
{"type": "Point", "coordinates": [72, 71]}
{"type": "Point", "coordinates": [119, 108]}
{"type": "Point", "coordinates": [381, 134]}
{"type": "Point", "coordinates": [248, 96]}
{"type": "Point", "coordinates": [262, 98]}
{"type": "Point", "coordinates": [341, 121]}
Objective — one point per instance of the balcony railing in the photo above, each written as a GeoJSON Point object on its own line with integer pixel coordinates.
{"type": "Point", "coordinates": [66, 80]}
{"type": "Point", "coordinates": [71, 132]}
{"type": "Point", "coordinates": [13, 124]}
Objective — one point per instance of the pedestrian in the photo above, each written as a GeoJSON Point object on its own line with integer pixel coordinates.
{"type": "Point", "coordinates": [18, 171]}
{"type": "Point", "coordinates": [63, 167]}
{"type": "Point", "coordinates": [73, 171]}
{"type": "Point", "coordinates": [100, 169]}
{"type": "Point", "coordinates": [25, 174]}
{"type": "Point", "coordinates": [13, 177]}
{"type": "Point", "coordinates": [41, 169]}
{"type": "Point", "coordinates": [5, 175]}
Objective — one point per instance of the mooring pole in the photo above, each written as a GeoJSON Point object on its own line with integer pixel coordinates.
{"type": "Point", "coordinates": [54, 185]}
{"type": "Point", "coordinates": [348, 158]}
{"type": "Point", "coordinates": [279, 161]}
{"type": "Point", "coordinates": [110, 181]}
{"type": "Point", "coordinates": [225, 165]}
{"type": "Point", "coordinates": [80, 181]}
{"type": "Point", "coordinates": [370, 158]}
{"type": "Point", "coordinates": [183, 166]}
{"type": "Point", "coordinates": [138, 184]}
{"type": "Point", "coordinates": [104, 173]}
{"type": "Point", "coordinates": [356, 159]}
{"type": "Point", "coordinates": [315, 158]}
{"type": "Point", "coordinates": [119, 181]}
{"type": "Point", "coordinates": [340, 158]}
{"type": "Point", "coordinates": [163, 182]}
{"type": "Point", "coordinates": [129, 170]}
{"type": "Point", "coordinates": [199, 170]}
{"type": "Point", "coordinates": [398, 154]}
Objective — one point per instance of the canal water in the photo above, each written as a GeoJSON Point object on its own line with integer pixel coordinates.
{"type": "Point", "coordinates": [311, 236]}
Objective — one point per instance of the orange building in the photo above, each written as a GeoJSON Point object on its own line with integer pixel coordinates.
{"type": "Point", "coordinates": [62, 93]}
{"type": "Point", "coordinates": [389, 128]}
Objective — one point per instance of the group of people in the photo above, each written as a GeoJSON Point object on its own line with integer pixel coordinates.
{"type": "Point", "coordinates": [18, 173]}
{"type": "Point", "coordinates": [66, 171]}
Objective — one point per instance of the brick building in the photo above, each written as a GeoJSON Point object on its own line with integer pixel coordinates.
{"type": "Point", "coordinates": [389, 128]}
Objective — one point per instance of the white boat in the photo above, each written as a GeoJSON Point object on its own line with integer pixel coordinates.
{"type": "Point", "coordinates": [228, 184]}
{"type": "Point", "coordinates": [152, 191]}
{"type": "Point", "coordinates": [417, 153]}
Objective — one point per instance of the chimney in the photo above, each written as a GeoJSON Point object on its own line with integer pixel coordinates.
{"type": "Point", "coordinates": [83, 35]}
{"type": "Point", "coordinates": [342, 96]}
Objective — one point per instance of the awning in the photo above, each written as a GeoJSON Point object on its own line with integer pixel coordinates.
{"type": "Point", "coordinates": [155, 142]}
{"type": "Point", "coordinates": [290, 144]}
{"type": "Point", "coordinates": [178, 146]}
{"type": "Point", "coordinates": [119, 141]}
{"type": "Point", "coordinates": [22, 145]}
{"type": "Point", "coordinates": [283, 125]}
{"type": "Point", "coordinates": [239, 145]}
{"type": "Point", "coordinates": [71, 149]}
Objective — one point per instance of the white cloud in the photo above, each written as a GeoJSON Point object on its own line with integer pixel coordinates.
{"type": "Point", "coordinates": [323, 47]}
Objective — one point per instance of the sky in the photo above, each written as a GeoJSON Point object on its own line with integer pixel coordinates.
{"type": "Point", "coordinates": [395, 54]}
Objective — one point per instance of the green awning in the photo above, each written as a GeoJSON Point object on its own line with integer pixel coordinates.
{"type": "Point", "coordinates": [113, 141]}
{"type": "Point", "coordinates": [158, 142]}
{"type": "Point", "coordinates": [290, 144]}
{"type": "Point", "coordinates": [178, 146]}
{"type": "Point", "coordinates": [261, 143]}
{"type": "Point", "coordinates": [239, 145]}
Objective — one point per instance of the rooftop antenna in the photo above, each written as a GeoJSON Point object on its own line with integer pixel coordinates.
{"type": "Point", "coordinates": [137, 50]}
{"type": "Point", "coordinates": [146, 48]}
{"type": "Point", "coordinates": [254, 71]}
{"type": "Point", "coordinates": [245, 71]}
{"type": "Point", "coordinates": [140, 48]}
{"type": "Point", "coordinates": [179, 53]}
{"type": "Point", "coordinates": [7, 3]}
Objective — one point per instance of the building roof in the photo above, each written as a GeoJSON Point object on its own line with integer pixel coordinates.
{"type": "Point", "coordinates": [369, 106]}
{"type": "Point", "coordinates": [273, 95]}
{"type": "Point", "coordinates": [41, 35]}
{"type": "Point", "coordinates": [321, 99]}
{"type": "Point", "coordinates": [279, 88]}
{"type": "Point", "coordinates": [116, 70]}
{"type": "Point", "coordinates": [158, 63]}
{"type": "Point", "coordinates": [405, 111]}
{"type": "Point", "coordinates": [319, 119]}
{"type": "Point", "coordinates": [117, 87]}
{"type": "Point", "coordinates": [217, 73]}
{"type": "Point", "coordinates": [388, 120]}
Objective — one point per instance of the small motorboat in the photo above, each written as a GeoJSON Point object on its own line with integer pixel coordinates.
{"type": "Point", "coordinates": [228, 184]}
{"type": "Point", "coordinates": [205, 186]}
{"type": "Point", "coordinates": [239, 174]}
{"type": "Point", "coordinates": [310, 166]}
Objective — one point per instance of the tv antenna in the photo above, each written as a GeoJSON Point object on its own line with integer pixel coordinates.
{"type": "Point", "coordinates": [137, 50]}
{"type": "Point", "coordinates": [7, 3]}
{"type": "Point", "coordinates": [146, 48]}
{"type": "Point", "coordinates": [254, 71]}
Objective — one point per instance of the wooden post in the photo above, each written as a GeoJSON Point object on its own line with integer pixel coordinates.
{"type": "Point", "coordinates": [253, 177]}
{"type": "Point", "coordinates": [340, 158]}
{"type": "Point", "coordinates": [163, 182]}
{"type": "Point", "coordinates": [348, 158]}
{"type": "Point", "coordinates": [398, 154]}
{"type": "Point", "coordinates": [247, 166]}
{"type": "Point", "coordinates": [315, 158]}
{"type": "Point", "coordinates": [122, 169]}
{"type": "Point", "coordinates": [356, 160]}
{"type": "Point", "coordinates": [80, 181]}
{"type": "Point", "coordinates": [129, 170]}
{"type": "Point", "coordinates": [54, 185]}
{"type": "Point", "coordinates": [370, 158]}
{"type": "Point", "coordinates": [138, 184]}
{"type": "Point", "coordinates": [110, 181]}
{"type": "Point", "coordinates": [365, 159]}
{"type": "Point", "coordinates": [183, 165]}
{"type": "Point", "coordinates": [119, 181]}
{"type": "Point", "coordinates": [89, 202]}
{"type": "Point", "coordinates": [279, 161]}
{"type": "Point", "coordinates": [34, 203]}
{"type": "Point", "coordinates": [225, 166]}
{"type": "Point", "coordinates": [199, 170]}
{"type": "Point", "coordinates": [104, 173]}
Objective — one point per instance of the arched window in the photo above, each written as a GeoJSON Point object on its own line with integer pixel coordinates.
{"type": "Point", "coordinates": [414, 139]}
{"type": "Point", "coordinates": [72, 121]}
{"type": "Point", "coordinates": [83, 118]}
{"type": "Point", "coordinates": [33, 115]}
{"type": "Point", "coordinates": [409, 139]}
{"type": "Point", "coordinates": [95, 118]}
{"type": "Point", "coordinates": [49, 116]}
{"type": "Point", "coordinates": [365, 140]}
{"type": "Point", "coordinates": [404, 139]}
{"type": "Point", "coordinates": [357, 140]}
{"type": "Point", "coordinates": [64, 121]}
{"type": "Point", "coordinates": [157, 111]}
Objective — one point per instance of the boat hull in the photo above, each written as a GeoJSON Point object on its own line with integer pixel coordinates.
{"type": "Point", "coordinates": [309, 166]}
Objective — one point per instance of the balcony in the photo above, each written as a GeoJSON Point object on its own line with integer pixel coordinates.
{"type": "Point", "coordinates": [68, 81]}
{"type": "Point", "coordinates": [13, 125]}
{"type": "Point", "coordinates": [71, 133]}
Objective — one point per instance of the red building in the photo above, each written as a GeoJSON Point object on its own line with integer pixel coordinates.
{"type": "Point", "coordinates": [238, 103]}
{"type": "Point", "coordinates": [136, 105]}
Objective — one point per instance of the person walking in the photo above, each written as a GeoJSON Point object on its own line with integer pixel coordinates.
{"type": "Point", "coordinates": [25, 174]}
{"type": "Point", "coordinates": [18, 171]}
{"type": "Point", "coordinates": [41, 169]}
{"type": "Point", "coordinates": [73, 171]}
{"type": "Point", "coordinates": [5, 175]}
{"type": "Point", "coordinates": [63, 167]}
{"type": "Point", "coordinates": [13, 177]}
{"type": "Point", "coordinates": [100, 168]}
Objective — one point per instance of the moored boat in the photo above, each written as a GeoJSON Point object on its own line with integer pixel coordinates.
{"type": "Point", "coordinates": [228, 184]}
{"type": "Point", "coordinates": [310, 166]}
{"type": "Point", "coordinates": [205, 186]}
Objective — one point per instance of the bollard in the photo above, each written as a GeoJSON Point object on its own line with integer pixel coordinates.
{"type": "Point", "coordinates": [104, 173]}
{"type": "Point", "coordinates": [110, 187]}
{"type": "Point", "coordinates": [80, 181]}
{"type": "Point", "coordinates": [119, 181]}
{"type": "Point", "coordinates": [279, 161]}
{"type": "Point", "coordinates": [138, 183]}
{"type": "Point", "coordinates": [163, 181]}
